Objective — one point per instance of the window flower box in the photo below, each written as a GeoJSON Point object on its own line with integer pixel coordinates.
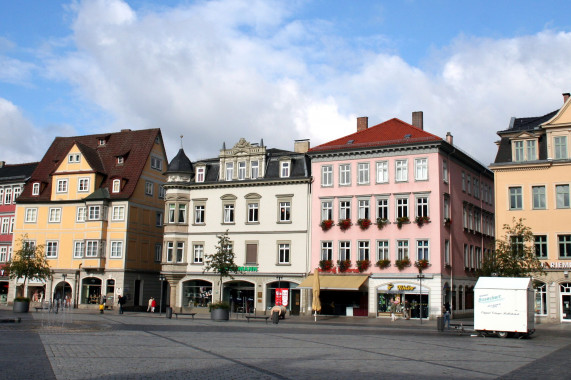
{"type": "Point", "coordinates": [326, 265]}
{"type": "Point", "coordinates": [403, 263]}
{"type": "Point", "coordinates": [364, 223]}
{"type": "Point", "coordinates": [343, 265]}
{"type": "Point", "coordinates": [402, 220]}
{"type": "Point", "coordinates": [363, 265]}
{"type": "Point", "coordinates": [326, 224]}
{"type": "Point", "coordinates": [383, 263]}
{"type": "Point", "coordinates": [421, 264]}
{"type": "Point", "coordinates": [344, 224]}
{"type": "Point", "coordinates": [420, 220]}
{"type": "Point", "coordinates": [381, 222]}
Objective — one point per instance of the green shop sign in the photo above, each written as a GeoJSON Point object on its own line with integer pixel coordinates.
{"type": "Point", "coordinates": [247, 269]}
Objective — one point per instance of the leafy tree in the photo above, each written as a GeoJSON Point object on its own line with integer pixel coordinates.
{"type": "Point", "coordinates": [28, 262]}
{"type": "Point", "coordinates": [222, 261]}
{"type": "Point", "coordinates": [514, 254]}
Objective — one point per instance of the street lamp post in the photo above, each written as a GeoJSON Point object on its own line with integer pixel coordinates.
{"type": "Point", "coordinates": [162, 279]}
{"type": "Point", "coordinates": [420, 277]}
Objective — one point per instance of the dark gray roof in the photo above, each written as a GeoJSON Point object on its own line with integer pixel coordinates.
{"type": "Point", "coordinates": [180, 164]}
{"type": "Point", "coordinates": [17, 172]}
{"type": "Point", "coordinates": [518, 125]}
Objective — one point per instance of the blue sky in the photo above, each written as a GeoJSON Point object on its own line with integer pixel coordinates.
{"type": "Point", "coordinates": [215, 71]}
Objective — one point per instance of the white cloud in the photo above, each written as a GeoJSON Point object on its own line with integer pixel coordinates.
{"type": "Point", "coordinates": [217, 71]}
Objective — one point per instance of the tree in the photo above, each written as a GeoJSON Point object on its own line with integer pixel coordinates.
{"type": "Point", "coordinates": [28, 262]}
{"type": "Point", "coordinates": [222, 261]}
{"type": "Point", "coordinates": [514, 254]}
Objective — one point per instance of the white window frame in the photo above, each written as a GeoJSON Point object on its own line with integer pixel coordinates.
{"type": "Point", "coordinates": [31, 215]}
{"type": "Point", "coordinates": [345, 175]}
{"type": "Point", "coordinates": [253, 212]}
{"type": "Point", "coordinates": [5, 226]}
{"type": "Point", "coordinates": [327, 250]}
{"type": "Point", "coordinates": [402, 207]}
{"type": "Point", "coordinates": [326, 210]}
{"type": "Point", "coordinates": [83, 184]}
{"type": "Point", "coordinates": [229, 171]}
{"type": "Point", "coordinates": [382, 172]}
{"type": "Point", "coordinates": [284, 211]}
{"type": "Point", "coordinates": [242, 170]}
{"type": "Point", "coordinates": [383, 204]}
{"type": "Point", "coordinates": [73, 158]}
{"type": "Point", "coordinates": [402, 249]}
{"type": "Point", "coordinates": [363, 250]}
{"type": "Point", "coordinates": [156, 163]}
{"type": "Point", "coordinates": [344, 209]}
{"type": "Point", "coordinates": [54, 215]}
{"type": "Point", "coordinates": [116, 186]}
{"type": "Point", "coordinates": [423, 249]}
{"type": "Point", "coordinates": [92, 248]}
{"type": "Point", "coordinates": [198, 253]}
{"type": "Point", "coordinates": [149, 188]}
{"type": "Point", "coordinates": [363, 173]}
{"type": "Point", "coordinates": [254, 169]}
{"type": "Point", "coordinates": [78, 249]}
{"type": "Point", "coordinates": [95, 213]}
{"type": "Point", "coordinates": [81, 214]}
{"type": "Point", "coordinates": [401, 170]}
{"type": "Point", "coordinates": [200, 174]}
{"type": "Point", "coordinates": [422, 206]}
{"type": "Point", "coordinates": [199, 214]}
{"type": "Point", "coordinates": [35, 189]}
{"type": "Point", "coordinates": [61, 187]}
{"type": "Point", "coordinates": [383, 250]}
{"type": "Point", "coordinates": [229, 213]}
{"type": "Point", "coordinates": [118, 213]}
{"type": "Point", "coordinates": [116, 249]}
{"type": "Point", "coordinates": [327, 176]}
{"type": "Point", "coordinates": [284, 253]}
{"type": "Point", "coordinates": [52, 247]}
{"type": "Point", "coordinates": [364, 209]}
{"type": "Point", "coordinates": [344, 250]}
{"type": "Point", "coordinates": [285, 167]}
{"type": "Point", "coordinates": [179, 251]}
{"type": "Point", "coordinates": [182, 213]}
{"type": "Point", "coordinates": [421, 169]}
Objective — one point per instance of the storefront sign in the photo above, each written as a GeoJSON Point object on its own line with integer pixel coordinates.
{"type": "Point", "coordinates": [560, 265]}
{"type": "Point", "coordinates": [395, 288]}
{"type": "Point", "coordinates": [247, 269]}
{"type": "Point", "coordinates": [282, 297]}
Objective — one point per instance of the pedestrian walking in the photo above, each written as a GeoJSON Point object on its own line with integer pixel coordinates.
{"type": "Point", "coordinates": [446, 313]}
{"type": "Point", "coordinates": [150, 304]}
{"type": "Point", "coordinates": [393, 310]}
{"type": "Point", "coordinates": [121, 301]}
{"type": "Point", "coordinates": [153, 304]}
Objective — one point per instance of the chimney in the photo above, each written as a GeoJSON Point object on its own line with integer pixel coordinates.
{"type": "Point", "coordinates": [565, 97]}
{"type": "Point", "coordinates": [449, 138]}
{"type": "Point", "coordinates": [301, 146]}
{"type": "Point", "coordinates": [362, 123]}
{"type": "Point", "coordinates": [417, 119]}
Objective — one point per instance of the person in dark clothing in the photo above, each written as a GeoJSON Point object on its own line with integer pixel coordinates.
{"type": "Point", "coordinates": [121, 301]}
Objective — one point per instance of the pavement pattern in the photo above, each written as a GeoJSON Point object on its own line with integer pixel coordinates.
{"type": "Point", "coordinates": [79, 345]}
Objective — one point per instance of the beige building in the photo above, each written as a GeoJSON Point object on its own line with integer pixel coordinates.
{"type": "Point", "coordinates": [532, 181]}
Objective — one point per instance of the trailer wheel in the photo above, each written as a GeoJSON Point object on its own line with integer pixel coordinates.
{"type": "Point", "coordinates": [502, 334]}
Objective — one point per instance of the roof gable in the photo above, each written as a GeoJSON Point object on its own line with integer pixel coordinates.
{"type": "Point", "coordinates": [390, 132]}
{"type": "Point", "coordinates": [561, 119]}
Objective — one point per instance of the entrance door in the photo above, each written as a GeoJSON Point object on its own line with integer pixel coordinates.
{"type": "Point", "coordinates": [565, 290]}
{"type": "Point", "coordinates": [136, 301]}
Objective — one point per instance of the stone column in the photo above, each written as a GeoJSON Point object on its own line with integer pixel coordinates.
{"type": "Point", "coordinates": [173, 281]}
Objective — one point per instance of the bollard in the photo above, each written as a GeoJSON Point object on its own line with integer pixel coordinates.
{"type": "Point", "coordinates": [101, 308]}
{"type": "Point", "coordinates": [168, 313]}
{"type": "Point", "coordinates": [440, 323]}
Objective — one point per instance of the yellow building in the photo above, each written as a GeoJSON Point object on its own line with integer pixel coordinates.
{"type": "Point", "coordinates": [532, 179]}
{"type": "Point", "coordinates": [96, 205]}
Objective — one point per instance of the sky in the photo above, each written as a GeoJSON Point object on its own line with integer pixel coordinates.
{"type": "Point", "coordinates": [216, 71]}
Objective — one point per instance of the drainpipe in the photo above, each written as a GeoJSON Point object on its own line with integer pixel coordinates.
{"type": "Point", "coordinates": [451, 235]}
{"type": "Point", "coordinates": [77, 286]}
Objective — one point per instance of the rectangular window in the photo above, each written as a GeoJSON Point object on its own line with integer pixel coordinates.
{"type": "Point", "coordinates": [422, 206]}
{"type": "Point", "coordinates": [468, 185]}
{"type": "Point", "coordinates": [382, 172]}
{"type": "Point", "coordinates": [156, 163]}
{"type": "Point", "coordinates": [12, 222]}
{"type": "Point", "coordinates": [421, 169]}
{"type": "Point", "coordinates": [54, 215]}
{"type": "Point", "coordinates": [158, 253]}
{"type": "Point", "coordinates": [363, 173]}
{"type": "Point", "coordinates": [326, 210]}
{"type": "Point", "coordinates": [344, 250]}
{"type": "Point", "coordinates": [35, 190]}
{"type": "Point", "coordinates": [61, 186]}
{"type": "Point", "coordinates": [383, 208]}
{"type": "Point", "coordinates": [94, 212]}
{"type": "Point", "coordinates": [284, 169]}
{"type": "Point", "coordinates": [363, 209]}
{"type": "Point", "coordinates": [1, 196]}
{"type": "Point", "coordinates": [253, 211]}
{"type": "Point", "coordinates": [402, 207]}
{"type": "Point", "coordinates": [73, 158]}
{"type": "Point", "coordinates": [199, 214]}
{"type": "Point", "coordinates": [158, 219]}
{"type": "Point", "coordinates": [283, 253]}
{"type": "Point", "coordinates": [476, 188]}
{"type": "Point", "coordinates": [538, 193]}
{"type": "Point", "coordinates": [5, 225]}
{"type": "Point", "coordinates": [517, 245]}
{"type": "Point", "coordinates": [466, 256]}
{"type": "Point", "coordinates": [200, 174]}
{"type": "Point", "coordinates": [92, 248]}
{"type": "Point", "coordinates": [402, 249]}
{"type": "Point", "coordinates": [463, 181]}
{"type": "Point", "coordinates": [170, 251]}
{"type": "Point", "coordinates": [229, 213]}
{"type": "Point", "coordinates": [564, 242]}
{"type": "Point", "coordinates": [383, 250]}
{"type": "Point", "coordinates": [251, 253]}
{"type": "Point", "coordinates": [179, 251]}
{"type": "Point", "coordinates": [229, 171]}
{"type": "Point", "coordinates": [560, 145]}
{"type": "Point", "coordinates": [445, 171]}
{"type": "Point", "coordinates": [80, 214]}
{"type": "Point", "coordinates": [162, 191]}
{"type": "Point", "coordinates": [422, 250]}
{"type": "Point", "coordinates": [285, 211]}
{"type": "Point", "coordinates": [446, 207]}
{"type": "Point", "coordinates": [198, 255]}
{"type": "Point", "coordinates": [116, 185]}
{"type": "Point", "coordinates": [518, 151]}
{"type": "Point", "coordinates": [516, 201]}
{"type": "Point", "coordinates": [255, 169]}
{"type": "Point", "coordinates": [116, 249]}
{"type": "Point", "coordinates": [182, 213]}
{"type": "Point", "coordinates": [364, 250]}
{"type": "Point", "coordinates": [327, 176]}
{"type": "Point", "coordinates": [83, 184]}
{"type": "Point", "coordinates": [345, 175]}
{"type": "Point", "coordinates": [3, 254]}
{"type": "Point", "coordinates": [531, 150]}
{"type": "Point", "coordinates": [242, 170]}
{"type": "Point", "coordinates": [446, 252]}
{"type": "Point", "coordinates": [326, 250]}
{"type": "Point", "coordinates": [149, 187]}
{"type": "Point", "coordinates": [562, 196]}
{"type": "Point", "coordinates": [401, 170]}
{"type": "Point", "coordinates": [118, 213]}
{"type": "Point", "coordinates": [540, 243]}
{"type": "Point", "coordinates": [344, 209]}
{"type": "Point", "coordinates": [51, 249]}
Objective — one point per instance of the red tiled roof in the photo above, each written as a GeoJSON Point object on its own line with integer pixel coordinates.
{"type": "Point", "coordinates": [103, 159]}
{"type": "Point", "coordinates": [391, 132]}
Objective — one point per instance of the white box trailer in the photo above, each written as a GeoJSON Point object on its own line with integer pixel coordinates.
{"type": "Point", "coordinates": [504, 305]}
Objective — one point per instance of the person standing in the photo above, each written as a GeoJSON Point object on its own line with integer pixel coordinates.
{"type": "Point", "coordinates": [393, 310]}
{"type": "Point", "coordinates": [121, 301]}
{"type": "Point", "coordinates": [153, 304]}
{"type": "Point", "coordinates": [150, 304]}
{"type": "Point", "coordinates": [446, 312]}
{"type": "Point", "coordinates": [406, 309]}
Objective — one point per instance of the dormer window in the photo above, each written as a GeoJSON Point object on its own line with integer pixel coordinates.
{"type": "Point", "coordinates": [560, 147]}
{"type": "Point", "coordinates": [101, 141]}
{"type": "Point", "coordinates": [116, 186]}
{"type": "Point", "coordinates": [120, 160]}
{"type": "Point", "coordinates": [242, 170]}
{"type": "Point", "coordinates": [200, 174]}
{"type": "Point", "coordinates": [36, 188]}
{"type": "Point", "coordinates": [73, 158]}
{"type": "Point", "coordinates": [229, 171]}
{"type": "Point", "coordinates": [524, 150]}
{"type": "Point", "coordinates": [285, 169]}
{"type": "Point", "coordinates": [255, 169]}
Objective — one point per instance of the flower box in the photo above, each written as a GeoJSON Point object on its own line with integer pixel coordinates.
{"type": "Point", "coordinates": [326, 265]}
{"type": "Point", "coordinates": [326, 224]}
{"type": "Point", "coordinates": [403, 263]}
{"type": "Point", "coordinates": [421, 264]}
{"type": "Point", "coordinates": [420, 220]}
{"type": "Point", "coordinates": [364, 223]}
{"type": "Point", "coordinates": [344, 224]}
{"type": "Point", "coordinates": [343, 265]}
{"type": "Point", "coordinates": [363, 265]}
{"type": "Point", "coordinates": [381, 222]}
{"type": "Point", "coordinates": [402, 220]}
{"type": "Point", "coordinates": [383, 263]}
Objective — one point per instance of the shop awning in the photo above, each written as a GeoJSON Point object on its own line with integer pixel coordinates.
{"type": "Point", "coordinates": [337, 282]}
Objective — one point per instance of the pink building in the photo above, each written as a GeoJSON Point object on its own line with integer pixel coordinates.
{"type": "Point", "coordinates": [399, 215]}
